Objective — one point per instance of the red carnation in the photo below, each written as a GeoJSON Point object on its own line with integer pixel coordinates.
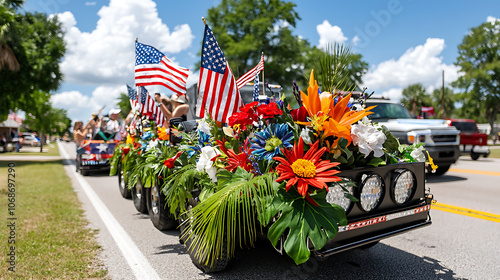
{"type": "Point", "coordinates": [268, 111]}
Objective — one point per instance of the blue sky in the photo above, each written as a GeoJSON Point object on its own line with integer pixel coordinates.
{"type": "Point", "coordinates": [403, 41]}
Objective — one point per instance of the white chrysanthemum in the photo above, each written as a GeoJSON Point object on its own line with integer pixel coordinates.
{"type": "Point", "coordinates": [205, 162]}
{"type": "Point", "coordinates": [152, 144]}
{"type": "Point", "coordinates": [368, 138]}
{"type": "Point", "coordinates": [306, 136]}
{"type": "Point", "coordinates": [418, 154]}
{"type": "Point", "coordinates": [203, 126]}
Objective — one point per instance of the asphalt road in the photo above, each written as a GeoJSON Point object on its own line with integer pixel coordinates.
{"type": "Point", "coordinates": [453, 247]}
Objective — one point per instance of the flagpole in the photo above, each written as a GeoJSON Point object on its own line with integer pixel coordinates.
{"type": "Point", "coordinates": [263, 81]}
{"type": "Point", "coordinates": [202, 18]}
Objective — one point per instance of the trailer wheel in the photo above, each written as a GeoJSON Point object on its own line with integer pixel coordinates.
{"type": "Point", "coordinates": [139, 198]}
{"type": "Point", "coordinates": [218, 264]}
{"type": "Point", "coordinates": [474, 156]}
{"type": "Point", "coordinates": [122, 183]}
{"type": "Point", "coordinates": [157, 209]}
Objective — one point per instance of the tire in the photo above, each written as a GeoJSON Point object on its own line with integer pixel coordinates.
{"type": "Point", "coordinates": [122, 183]}
{"type": "Point", "coordinates": [441, 170]}
{"type": "Point", "coordinates": [474, 156]}
{"type": "Point", "coordinates": [218, 265]}
{"type": "Point", "coordinates": [139, 198]}
{"type": "Point", "coordinates": [158, 210]}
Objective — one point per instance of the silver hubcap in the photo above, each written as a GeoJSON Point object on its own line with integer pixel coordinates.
{"type": "Point", "coordinates": [138, 190]}
{"type": "Point", "coordinates": [154, 199]}
{"type": "Point", "coordinates": [122, 180]}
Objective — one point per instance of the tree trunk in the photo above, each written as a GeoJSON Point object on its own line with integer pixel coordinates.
{"type": "Point", "coordinates": [42, 141]}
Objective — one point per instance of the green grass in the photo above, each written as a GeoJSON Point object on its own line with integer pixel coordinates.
{"type": "Point", "coordinates": [494, 153]}
{"type": "Point", "coordinates": [53, 240]}
{"type": "Point", "coordinates": [49, 150]}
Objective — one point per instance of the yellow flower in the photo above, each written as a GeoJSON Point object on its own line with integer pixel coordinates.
{"type": "Point", "coordinates": [431, 162]}
{"type": "Point", "coordinates": [130, 139]}
{"type": "Point", "coordinates": [163, 133]}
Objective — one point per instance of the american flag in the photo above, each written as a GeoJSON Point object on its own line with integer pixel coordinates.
{"type": "Point", "coordinates": [149, 107]}
{"type": "Point", "coordinates": [248, 76]}
{"type": "Point", "coordinates": [256, 88]}
{"type": "Point", "coordinates": [142, 95]}
{"type": "Point", "coordinates": [218, 93]}
{"type": "Point", "coordinates": [132, 95]}
{"type": "Point", "coordinates": [154, 68]}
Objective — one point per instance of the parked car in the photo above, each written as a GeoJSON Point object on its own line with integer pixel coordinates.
{"type": "Point", "coordinates": [29, 139]}
{"type": "Point", "coordinates": [472, 141]}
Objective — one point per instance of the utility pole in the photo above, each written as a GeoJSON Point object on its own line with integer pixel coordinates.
{"type": "Point", "coordinates": [443, 111]}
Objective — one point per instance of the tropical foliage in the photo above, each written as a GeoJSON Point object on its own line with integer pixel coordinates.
{"type": "Point", "coordinates": [479, 60]}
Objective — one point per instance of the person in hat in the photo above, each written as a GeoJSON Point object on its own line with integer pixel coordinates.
{"type": "Point", "coordinates": [180, 107]}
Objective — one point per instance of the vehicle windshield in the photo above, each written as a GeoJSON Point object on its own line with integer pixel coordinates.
{"type": "Point", "coordinates": [466, 126]}
{"type": "Point", "coordinates": [388, 111]}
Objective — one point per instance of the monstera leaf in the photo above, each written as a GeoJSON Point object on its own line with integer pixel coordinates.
{"type": "Point", "coordinates": [304, 221]}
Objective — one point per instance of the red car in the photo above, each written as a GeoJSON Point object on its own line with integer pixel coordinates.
{"type": "Point", "coordinates": [471, 140]}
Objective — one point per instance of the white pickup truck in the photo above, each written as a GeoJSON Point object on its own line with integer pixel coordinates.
{"type": "Point", "coordinates": [441, 140]}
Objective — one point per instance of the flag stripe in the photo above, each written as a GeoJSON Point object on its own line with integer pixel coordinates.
{"type": "Point", "coordinates": [250, 75]}
{"type": "Point", "coordinates": [153, 68]}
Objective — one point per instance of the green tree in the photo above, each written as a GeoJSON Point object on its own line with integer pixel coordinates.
{"type": "Point", "coordinates": [449, 103]}
{"type": "Point", "coordinates": [245, 29]}
{"type": "Point", "coordinates": [36, 42]}
{"type": "Point", "coordinates": [124, 104]}
{"type": "Point", "coordinates": [45, 119]}
{"type": "Point", "coordinates": [414, 97]}
{"type": "Point", "coordinates": [479, 60]}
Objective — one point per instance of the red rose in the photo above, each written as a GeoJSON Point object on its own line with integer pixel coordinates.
{"type": "Point", "coordinates": [249, 108]}
{"type": "Point", "coordinates": [268, 111]}
{"type": "Point", "coordinates": [125, 150]}
{"type": "Point", "coordinates": [242, 118]}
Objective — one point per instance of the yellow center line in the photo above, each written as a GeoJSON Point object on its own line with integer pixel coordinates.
{"type": "Point", "coordinates": [492, 173]}
{"type": "Point", "coordinates": [466, 212]}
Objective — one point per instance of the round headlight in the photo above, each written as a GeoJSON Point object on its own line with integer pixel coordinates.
{"type": "Point", "coordinates": [371, 192]}
{"type": "Point", "coordinates": [404, 186]}
{"type": "Point", "coordinates": [336, 195]}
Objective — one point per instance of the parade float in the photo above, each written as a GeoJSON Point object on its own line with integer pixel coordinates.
{"type": "Point", "coordinates": [321, 178]}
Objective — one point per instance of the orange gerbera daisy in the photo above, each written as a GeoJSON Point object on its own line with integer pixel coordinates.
{"type": "Point", "coordinates": [306, 170]}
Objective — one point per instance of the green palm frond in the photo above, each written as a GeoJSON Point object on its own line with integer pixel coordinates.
{"type": "Point", "coordinates": [230, 216]}
{"type": "Point", "coordinates": [334, 66]}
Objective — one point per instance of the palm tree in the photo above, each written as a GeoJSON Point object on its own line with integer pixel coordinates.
{"type": "Point", "coordinates": [414, 97]}
{"type": "Point", "coordinates": [7, 22]}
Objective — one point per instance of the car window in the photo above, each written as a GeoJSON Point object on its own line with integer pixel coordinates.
{"type": "Point", "coordinates": [388, 111]}
{"type": "Point", "coordinates": [465, 126]}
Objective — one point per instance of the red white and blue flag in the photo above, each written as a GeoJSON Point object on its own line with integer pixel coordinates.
{"type": "Point", "coordinates": [149, 107]}
{"type": "Point", "coordinates": [132, 95]}
{"type": "Point", "coordinates": [250, 75]}
{"type": "Point", "coordinates": [153, 68]}
{"type": "Point", "coordinates": [218, 94]}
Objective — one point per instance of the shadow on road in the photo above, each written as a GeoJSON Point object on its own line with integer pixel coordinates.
{"type": "Point", "coordinates": [379, 262]}
{"type": "Point", "coordinates": [444, 178]}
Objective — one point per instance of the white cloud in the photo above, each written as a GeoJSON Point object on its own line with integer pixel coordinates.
{"type": "Point", "coordinates": [80, 106]}
{"type": "Point", "coordinates": [329, 34]}
{"type": "Point", "coordinates": [421, 64]}
{"type": "Point", "coordinates": [492, 19]}
{"type": "Point", "coordinates": [106, 55]}
{"type": "Point", "coordinates": [90, 3]}
{"type": "Point", "coordinates": [355, 40]}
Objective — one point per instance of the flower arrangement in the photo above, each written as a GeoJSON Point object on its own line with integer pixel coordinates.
{"type": "Point", "coordinates": [267, 171]}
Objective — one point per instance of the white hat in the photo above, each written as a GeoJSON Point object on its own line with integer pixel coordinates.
{"type": "Point", "coordinates": [181, 98]}
{"type": "Point", "coordinates": [114, 111]}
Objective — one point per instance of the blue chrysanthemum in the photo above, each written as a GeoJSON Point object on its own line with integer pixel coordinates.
{"type": "Point", "coordinates": [203, 140]}
{"type": "Point", "coordinates": [267, 144]}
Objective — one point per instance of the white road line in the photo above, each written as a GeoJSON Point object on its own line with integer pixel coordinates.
{"type": "Point", "coordinates": [136, 260]}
